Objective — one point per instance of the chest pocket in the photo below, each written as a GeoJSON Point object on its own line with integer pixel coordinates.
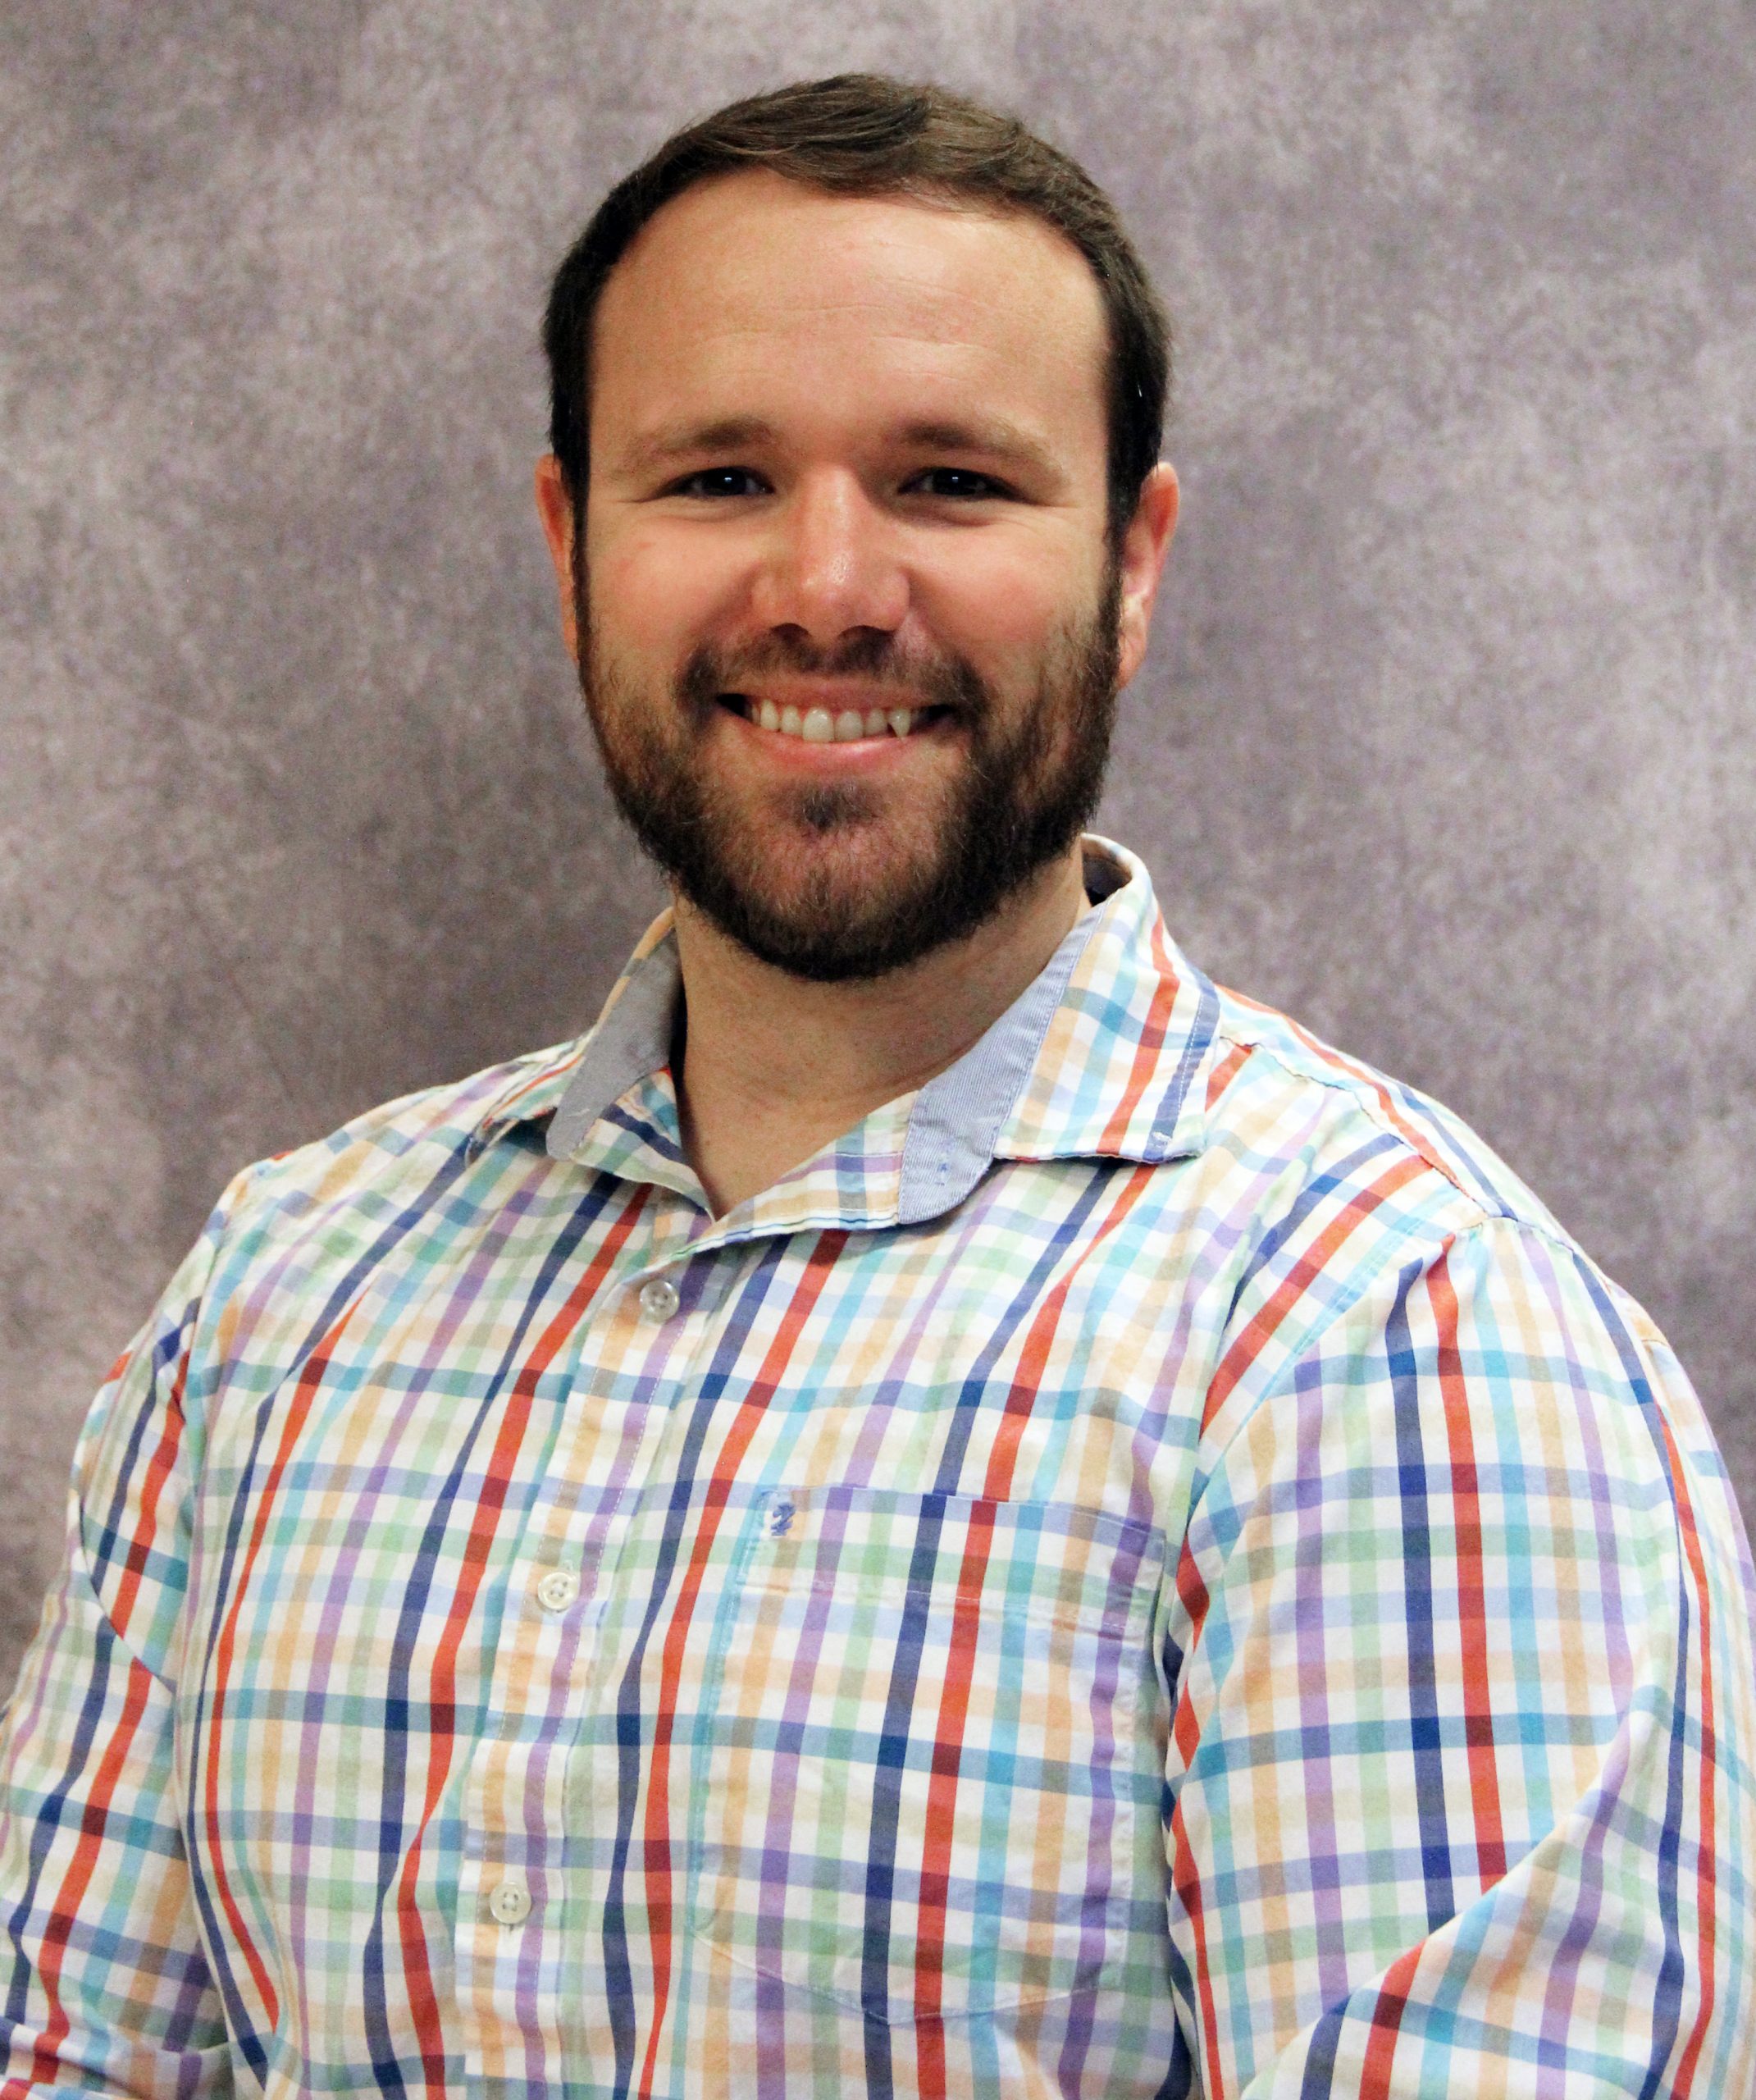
{"type": "Point", "coordinates": [931, 1784]}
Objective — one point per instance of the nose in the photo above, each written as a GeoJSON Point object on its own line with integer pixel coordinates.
{"type": "Point", "coordinates": [832, 566]}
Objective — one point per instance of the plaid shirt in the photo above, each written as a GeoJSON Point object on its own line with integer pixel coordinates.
{"type": "Point", "coordinates": [1152, 1564]}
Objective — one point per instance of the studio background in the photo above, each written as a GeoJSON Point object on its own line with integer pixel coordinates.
{"type": "Point", "coordinates": [1445, 744]}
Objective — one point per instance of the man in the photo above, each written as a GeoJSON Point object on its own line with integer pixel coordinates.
{"type": "Point", "coordinates": [936, 1506]}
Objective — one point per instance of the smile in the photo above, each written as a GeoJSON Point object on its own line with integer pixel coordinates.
{"type": "Point", "coordinates": [820, 725]}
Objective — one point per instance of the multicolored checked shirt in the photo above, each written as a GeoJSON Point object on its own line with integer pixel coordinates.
{"type": "Point", "coordinates": [1150, 1566]}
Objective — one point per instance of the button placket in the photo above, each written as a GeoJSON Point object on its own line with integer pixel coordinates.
{"type": "Point", "coordinates": [541, 1665]}
{"type": "Point", "coordinates": [549, 1668]}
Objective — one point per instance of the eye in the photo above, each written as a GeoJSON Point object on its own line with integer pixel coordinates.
{"type": "Point", "coordinates": [719, 482]}
{"type": "Point", "coordinates": [962, 482]}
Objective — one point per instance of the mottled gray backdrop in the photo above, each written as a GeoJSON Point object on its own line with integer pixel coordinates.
{"type": "Point", "coordinates": [1444, 743]}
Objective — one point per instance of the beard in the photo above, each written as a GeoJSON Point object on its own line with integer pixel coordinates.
{"type": "Point", "coordinates": [845, 880]}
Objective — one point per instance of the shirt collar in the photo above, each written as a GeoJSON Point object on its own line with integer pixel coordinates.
{"type": "Point", "coordinates": [1098, 1058]}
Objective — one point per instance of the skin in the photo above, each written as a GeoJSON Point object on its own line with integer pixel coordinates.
{"type": "Point", "coordinates": [814, 417]}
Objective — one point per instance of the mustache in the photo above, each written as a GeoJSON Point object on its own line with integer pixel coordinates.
{"type": "Point", "coordinates": [931, 681]}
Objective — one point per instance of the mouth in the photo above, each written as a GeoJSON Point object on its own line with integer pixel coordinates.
{"type": "Point", "coordinates": [824, 725]}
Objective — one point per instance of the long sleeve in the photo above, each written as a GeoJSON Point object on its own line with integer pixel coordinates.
{"type": "Point", "coordinates": [1461, 1786]}
{"type": "Point", "coordinates": [107, 1989]}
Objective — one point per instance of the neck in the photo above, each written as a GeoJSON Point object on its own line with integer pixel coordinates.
{"type": "Point", "coordinates": [774, 1066]}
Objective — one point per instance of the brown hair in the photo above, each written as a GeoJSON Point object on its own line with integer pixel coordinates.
{"type": "Point", "coordinates": [862, 134]}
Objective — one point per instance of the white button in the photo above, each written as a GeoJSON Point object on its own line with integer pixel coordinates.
{"type": "Point", "coordinates": [659, 1299]}
{"type": "Point", "coordinates": [557, 1589]}
{"type": "Point", "coordinates": [510, 1903]}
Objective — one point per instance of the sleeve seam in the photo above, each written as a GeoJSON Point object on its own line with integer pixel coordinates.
{"type": "Point", "coordinates": [79, 1564]}
{"type": "Point", "coordinates": [1282, 1385]}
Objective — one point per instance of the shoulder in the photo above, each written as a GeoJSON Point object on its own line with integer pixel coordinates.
{"type": "Point", "coordinates": [1280, 1097]}
{"type": "Point", "coordinates": [297, 1238]}
{"type": "Point", "coordinates": [1366, 1202]}
{"type": "Point", "coordinates": [1324, 1190]}
{"type": "Point", "coordinates": [1389, 1250]}
{"type": "Point", "coordinates": [401, 1158]}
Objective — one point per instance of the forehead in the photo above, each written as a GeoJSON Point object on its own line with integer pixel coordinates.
{"type": "Point", "coordinates": [750, 281]}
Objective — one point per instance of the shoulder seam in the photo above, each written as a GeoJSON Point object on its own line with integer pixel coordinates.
{"type": "Point", "coordinates": [1366, 1091]}
{"type": "Point", "coordinates": [1439, 1244]}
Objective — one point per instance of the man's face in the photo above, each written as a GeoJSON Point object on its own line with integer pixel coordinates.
{"type": "Point", "coordinates": [845, 613]}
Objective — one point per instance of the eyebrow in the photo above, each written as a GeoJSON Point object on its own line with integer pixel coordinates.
{"type": "Point", "coordinates": [996, 437]}
{"type": "Point", "coordinates": [683, 441]}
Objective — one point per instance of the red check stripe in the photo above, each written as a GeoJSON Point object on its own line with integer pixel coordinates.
{"type": "Point", "coordinates": [1707, 1767]}
{"type": "Point", "coordinates": [1472, 1601]}
{"type": "Point", "coordinates": [1292, 1291]}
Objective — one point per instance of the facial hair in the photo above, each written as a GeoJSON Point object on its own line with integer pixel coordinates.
{"type": "Point", "coordinates": [1021, 793]}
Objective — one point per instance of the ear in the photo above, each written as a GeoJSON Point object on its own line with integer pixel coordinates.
{"type": "Point", "coordinates": [1145, 544]}
{"type": "Point", "coordinates": [555, 507]}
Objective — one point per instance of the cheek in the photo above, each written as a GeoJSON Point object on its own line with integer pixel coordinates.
{"type": "Point", "coordinates": [656, 592]}
{"type": "Point", "coordinates": [1003, 606]}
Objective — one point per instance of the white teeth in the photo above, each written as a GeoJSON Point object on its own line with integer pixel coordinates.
{"type": "Point", "coordinates": [816, 725]}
